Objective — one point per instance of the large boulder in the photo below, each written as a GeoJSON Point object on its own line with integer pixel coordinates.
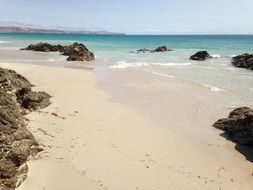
{"type": "Point", "coordinates": [75, 51]}
{"type": "Point", "coordinates": [200, 56]}
{"type": "Point", "coordinates": [78, 52]}
{"type": "Point", "coordinates": [238, 126]}
{"type": "Point", "coordinates": [243, 61]}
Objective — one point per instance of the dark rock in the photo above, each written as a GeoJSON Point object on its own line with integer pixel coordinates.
{"type": "Point", "coordinates": [78, 52]}
{"type": "Point", "coordinates": [18, 155]}
{"type": "Point", "coordinates": [32, 100]}
{"type": "Point", "coordinates": [16, 142]}
{"type": "Point", "coordinates": [43, 47]}
{"type": "Point", "coordinates": [7, 169]}
{"type": "Point", "coordinates": [243, 61]}
{"type": "Point", "coordinates": [157, 50]}
{"type": "Point", "coordinates": [10, 80]}
{"type": "Point", "coordinates": [75, 52]}
{"type": "Point", "coordinates": [238, 126]}
{"type": "Point", "coordinates": [200, 56]}
{"type": "Point", "coordinates": [162, 49]}
{"type": "Point", "coordinates": [144, 50]}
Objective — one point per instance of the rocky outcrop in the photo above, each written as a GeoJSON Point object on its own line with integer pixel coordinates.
{"type": "Point", "coordinates": [243, 61]}
{"type": "Point", "coordinates": [16, 142]}
{"type": "Point", "coordinates": [44, 47]}
{"type": "Point", "coordinates": [238, 126]}
{"type": "Point", "coordinates": [78, 52]}
{"type": "Point", "coordinates": [200, 56]}
{"type": "Point", "coordinates": [157, 50]}
{"type": "Point", "coordinates": [75, 52]}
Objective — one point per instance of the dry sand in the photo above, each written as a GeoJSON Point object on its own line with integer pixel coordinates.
{"type": "Point", "coordinates": [91, 143]}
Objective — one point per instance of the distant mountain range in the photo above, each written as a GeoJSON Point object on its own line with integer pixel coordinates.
{"type": "Point", "coordinates": [16, 27]}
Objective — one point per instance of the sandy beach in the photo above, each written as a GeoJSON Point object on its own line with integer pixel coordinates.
{"type": "Point", "coordinates": [92, 143]}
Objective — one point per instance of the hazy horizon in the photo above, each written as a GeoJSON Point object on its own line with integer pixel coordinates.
{"type": "Point", "coordinates": [134, 17]}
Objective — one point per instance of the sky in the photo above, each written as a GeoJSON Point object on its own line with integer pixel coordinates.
{"type": "Point", "coordinates": [135, 16]}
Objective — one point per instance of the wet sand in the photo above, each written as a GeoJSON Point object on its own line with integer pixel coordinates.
{"type": "Point", "coordinates": [94, 142]}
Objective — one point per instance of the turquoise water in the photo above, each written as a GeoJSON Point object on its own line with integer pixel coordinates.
{"type": "Point", "coordinates": [116, 53]}
{"type": "Point", "coordinates": [118, 47]}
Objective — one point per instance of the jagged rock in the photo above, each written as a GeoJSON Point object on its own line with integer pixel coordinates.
{"type": "Point", "coordinates": [200, 56]}
{"type": "Point", "coordinates": [10, 80]}
{"type": "Point", "coordinates": [16, 142]}
{"type": "Point", "coordinates": [78, 52]}
{"type": "Point", "coordinates": [32, 100]}
{"type": "Point", "coordinates": [243, 61]}
{"type": "Point", "coordinates": [75, 51]}
{"type": "Point", "coordinates": [44, 47]}
{"type": "Point", "coordinates": [238, 126]}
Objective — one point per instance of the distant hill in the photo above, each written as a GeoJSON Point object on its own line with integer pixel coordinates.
{"type": "Point", "coordinates": [24, 28]}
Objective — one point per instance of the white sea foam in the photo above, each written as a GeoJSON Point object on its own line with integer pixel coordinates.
{"type": "Point", "coordinates": [9, 48]}
{"type": "Point", "coordinates": [124, 64]}
{"type": "Point", "coordinates": [5, 42]}
{"type": "Point", "coordinates": [229, 68]}
{"type": "Point", "coordinates": [161, 74]}
{"type": "Point", "coordinates": [213, 88]}
{"type": "Point", "coordinates": [29, 60]}
{"type": "Point", "coordinates": [216, 56]}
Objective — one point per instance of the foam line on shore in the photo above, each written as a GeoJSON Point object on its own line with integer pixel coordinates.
{"type": "Point", "coordinates": [124, 64]}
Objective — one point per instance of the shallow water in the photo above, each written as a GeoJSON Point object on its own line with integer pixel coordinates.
{"type": "Point", "coordinates": [148, 79]}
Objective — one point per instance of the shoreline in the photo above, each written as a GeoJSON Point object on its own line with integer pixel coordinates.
{"type": "Point", "coordinates": [116, 146]}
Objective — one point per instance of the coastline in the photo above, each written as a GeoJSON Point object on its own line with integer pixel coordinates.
{"type": "Point", "coordinates": [105, 145]}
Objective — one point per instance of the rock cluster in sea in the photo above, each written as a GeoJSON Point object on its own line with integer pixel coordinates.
{"type": "Point", "coordinates": [159, 49]}
{"type": "Point", "coordinates": [201, 56]}
{"type": "Point", "coordinates": [243, 61]}
{"type": "Point", "coordinates": [75, 51]}
{"type": "Point", "coordinates": [238, 126]}
{"type": "Point", "coordinates": [16, 142]}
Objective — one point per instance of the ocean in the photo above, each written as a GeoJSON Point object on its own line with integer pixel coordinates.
{"type": "Point", "coordinates": [145, 80]}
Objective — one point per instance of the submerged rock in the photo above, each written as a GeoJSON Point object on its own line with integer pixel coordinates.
{"type": "Point", "coordinates": [157, 50]}
{"type": "Point", "coordinates": [162, 49]}
{"type": "Point", "coordinates": [75, 52]}
{"type": "Point", "coordinates": [144, 50]}
{"type": "Point", "coordinates": [16, 142]}
{"type": "Point", "coordinates": [200, 56]}
{"type": "Point", "coordinates": [238, 126]}
{"type": "Point", "coordinates": [243, 61]}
